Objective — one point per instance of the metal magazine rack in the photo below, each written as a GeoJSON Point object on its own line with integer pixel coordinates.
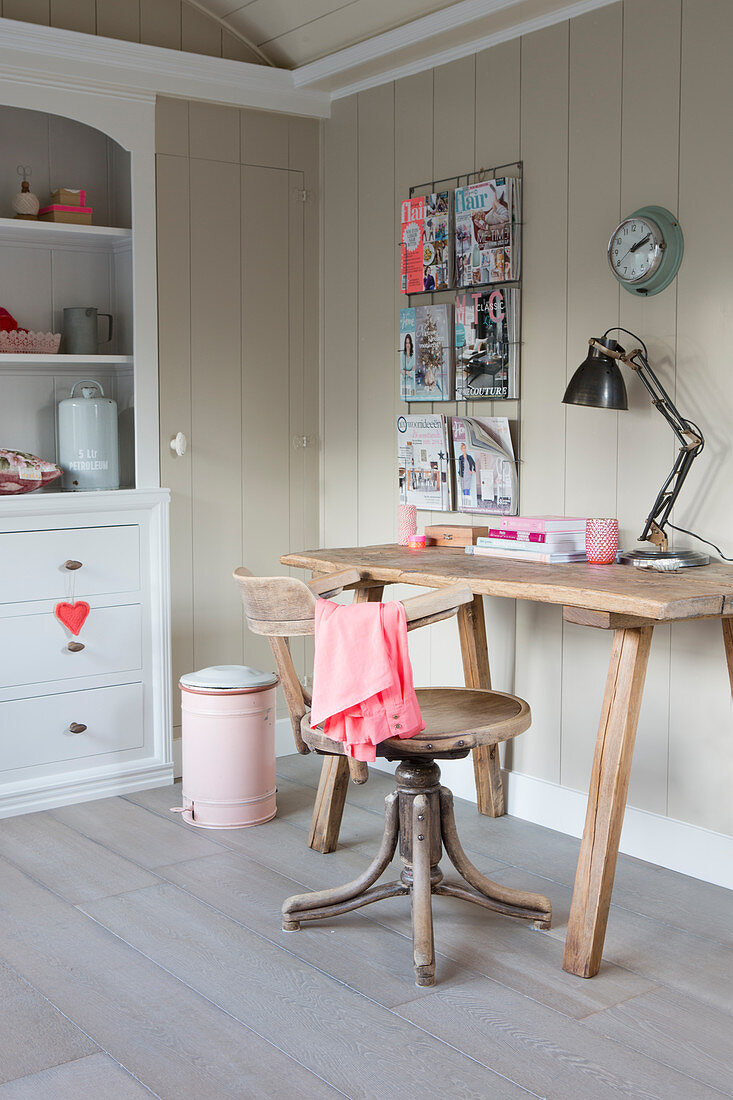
{"type": "Point", "coordinates": [470, 405]}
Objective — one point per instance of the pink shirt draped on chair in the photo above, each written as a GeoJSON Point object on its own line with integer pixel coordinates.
{"type": "Point", "coordinates": [362, 676]}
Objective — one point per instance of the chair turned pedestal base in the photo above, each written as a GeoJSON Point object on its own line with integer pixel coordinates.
{"type": "Point", "coordinates": [419, 814]}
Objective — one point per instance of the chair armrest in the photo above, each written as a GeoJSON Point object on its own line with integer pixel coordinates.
{"type": "Point", "coordinates": [332, 583]}
{"type": "Point", "coordinates": [441, 603]}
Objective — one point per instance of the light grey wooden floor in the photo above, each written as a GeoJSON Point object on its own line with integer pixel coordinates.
{"type": "Point", "coordinates": [141, 956]}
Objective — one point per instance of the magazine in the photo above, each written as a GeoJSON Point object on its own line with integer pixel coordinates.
{"type": "Point", "coordinates": [426, 243]}
{"type": "Point", "coordinates": [485, 468]}
{"type": "Point", "coordinates": [424, 462]}
{"type": "Point", "coordinates": [412, 226]}
{"type": "Point", "coordinates": [438, 242]}
{"type": "Point", "coordinates": [487, 232]}
{"type": "Point", "coordinates": [426, 353]}
{"type": "Point", "coordinates": [487, 344]}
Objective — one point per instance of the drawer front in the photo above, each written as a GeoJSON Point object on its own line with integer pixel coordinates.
{"type": "Point", "coordinates": [32, 563]}
{"type": "Point", "coordinates": [36, 731]}
{"type": "Point", "coordinates": [33, 648]}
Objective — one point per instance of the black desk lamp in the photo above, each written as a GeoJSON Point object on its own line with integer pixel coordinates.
{"type": "Point", "coordinates": [598, 382]}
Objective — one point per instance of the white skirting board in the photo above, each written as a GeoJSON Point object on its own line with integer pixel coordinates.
{"type": "Point", "coordinates": [663, 841]}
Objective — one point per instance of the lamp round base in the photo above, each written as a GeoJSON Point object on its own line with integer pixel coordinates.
{"type": "Point", "coordinates": [663, 560]}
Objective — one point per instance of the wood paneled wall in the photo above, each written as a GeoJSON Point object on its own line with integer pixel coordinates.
{"type": "Point", "coordinates": [174, 24]}
{"type": "Point", "coordinates": [238, 264]}
{"type": "Point", "coordinates": [620, 107]}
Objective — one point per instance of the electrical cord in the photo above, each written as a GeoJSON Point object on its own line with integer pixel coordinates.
{"type": "Point", "coordinates": [699, 538]}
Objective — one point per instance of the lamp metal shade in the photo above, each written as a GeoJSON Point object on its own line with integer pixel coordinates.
{"type": "Point", "coordinates": [598, 380]}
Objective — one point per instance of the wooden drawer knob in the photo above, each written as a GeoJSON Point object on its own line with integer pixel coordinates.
{"type": "Point", "coordinates": [76, 727]}
{"type": "Point", "coordinates": [71, 564]}
{"type": "Point", "coordinates": [75, 647]}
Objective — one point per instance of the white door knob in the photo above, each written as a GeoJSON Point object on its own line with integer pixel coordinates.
{"type": "Point", "coordinates": [179, 444]}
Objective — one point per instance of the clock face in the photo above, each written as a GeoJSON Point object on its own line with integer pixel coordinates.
{"type": "Point", "coordinates": [636, 249]}
{"type": "Point", "coordinates": [645, 251]}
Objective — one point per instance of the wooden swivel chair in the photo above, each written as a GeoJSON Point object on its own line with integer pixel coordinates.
{"type": "Point", "coordinates": [420, 810]}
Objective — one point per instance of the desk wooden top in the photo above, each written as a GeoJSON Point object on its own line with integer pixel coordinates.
{"type": "Point", "coordinates": [689, 594]}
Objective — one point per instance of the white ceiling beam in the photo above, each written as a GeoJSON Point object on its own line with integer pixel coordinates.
{"type": "Point", "coordinates": [416, 46]}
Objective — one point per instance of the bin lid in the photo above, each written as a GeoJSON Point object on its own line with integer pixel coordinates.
{"type": "Point", "coordinates": [228, 678]}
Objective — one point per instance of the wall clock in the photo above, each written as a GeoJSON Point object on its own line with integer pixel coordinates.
{"type": "Point", "coordinates": [645, 250]}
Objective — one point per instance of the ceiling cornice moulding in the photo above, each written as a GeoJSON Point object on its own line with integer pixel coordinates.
{"type": "Point", "coordinates": [123, 68]}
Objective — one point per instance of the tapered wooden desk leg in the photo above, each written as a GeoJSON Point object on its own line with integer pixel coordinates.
{"type": "Point", "coordinates": [606, 801]}
{"type": "Point", "coordinates": [727, 625]}
{"type": "Point", "coordinates": [333, 784]}
{"type": "Point", "coordinates": [476, 673]}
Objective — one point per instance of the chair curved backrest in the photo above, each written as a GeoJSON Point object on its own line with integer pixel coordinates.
{"type": "Point", "coordinates": [276, 606]}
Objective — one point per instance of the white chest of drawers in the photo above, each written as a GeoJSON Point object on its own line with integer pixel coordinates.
{"type": "Point", "coordinates": [93, 720]}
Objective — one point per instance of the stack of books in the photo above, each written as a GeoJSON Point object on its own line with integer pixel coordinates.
{"type": "Point", "coordinates": [547, 539]}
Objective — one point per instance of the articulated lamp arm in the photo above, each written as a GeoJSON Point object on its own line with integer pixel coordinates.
{"type": "Point", "coordinates": [688, 434]}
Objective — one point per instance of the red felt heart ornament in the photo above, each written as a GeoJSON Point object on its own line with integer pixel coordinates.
{"type": "Point", "coordinates": [72, 615]}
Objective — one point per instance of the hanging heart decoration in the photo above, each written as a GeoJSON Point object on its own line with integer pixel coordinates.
{"type": "Point", "coordinates": [72, 615]}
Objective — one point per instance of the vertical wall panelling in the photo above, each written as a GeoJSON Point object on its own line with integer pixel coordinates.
{"type": "Point", "coordinates": [593, 303]}
{"type": "Point", "coordinates": [649, 161]}
{"type": "Point", "coordinates": [216, 409]}
{"type": "Point", "coordinates": [174, 319]}
{"type": "Point", "coordinates": [29, 11]}
{"type": "Point", "coordinates": [544, 150]}
{"type": "Point", "coordinates": [413, 144]}
{"type": "Point", "coordinates": [270, 378]}
{"type": "Point", "coordinates": [119, 19]}
{"type": "Point", "coordinates": [160, 23]}
{"type": "Point", "coordinates": [377, 346]}
{"type": "Point", "coordinates": [199, 33]}
{"type": "Point", "coordinates": [304, 155]}
{"type": "Point", "coordinates": [497, 141]}
{"type": "Point", "coordinates": [74, 15]}
{"type": "Point", "coordinates": [700, 760]}
{"type": "Point", "coordinates": [341, 320]}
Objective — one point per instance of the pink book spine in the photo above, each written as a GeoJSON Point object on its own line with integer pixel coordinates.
{"type": "Point", "coordinates": [517, 536]}
{"type": "Point", "coordinates": [541, 523]}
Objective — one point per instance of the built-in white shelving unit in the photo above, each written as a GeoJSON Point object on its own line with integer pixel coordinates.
{"type": "Point", "coordinates": [84, 722]}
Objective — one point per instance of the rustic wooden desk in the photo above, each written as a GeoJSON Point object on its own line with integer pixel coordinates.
{"type": "Point", "coordinates": [612, 597]}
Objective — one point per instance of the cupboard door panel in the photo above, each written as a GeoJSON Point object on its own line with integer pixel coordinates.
{"type": "Point", "coordinates": [216, 410]}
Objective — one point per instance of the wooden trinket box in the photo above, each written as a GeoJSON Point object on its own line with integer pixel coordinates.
{"type": "Point", "coordinates": [454, 534]}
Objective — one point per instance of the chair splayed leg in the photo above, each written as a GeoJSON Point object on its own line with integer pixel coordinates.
{"type": "Point", "coordinates": [420, 814]}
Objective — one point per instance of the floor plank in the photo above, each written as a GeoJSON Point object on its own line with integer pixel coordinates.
{"type": "Point", "coordinates": [157, 1027]}
{"type": "Point", "coordinates": [363, 955]}
{"type": "Point", "coordinates": [26, 1013]}
{"type": "Point", "coordinates": [543, 1050]}
{"type": "Point", "coordinates": [675, 1029]}
{"type": "Point", "coordinates": [134, 833]}
{"type": "Point", "coordinates": [659, 952]}
{"type": "Point", "coordinates": [96, 1076]}
{"type": "Point", "coordinates": [344, 1037]}
{"type": "Point", "coordinates": [70, 864]}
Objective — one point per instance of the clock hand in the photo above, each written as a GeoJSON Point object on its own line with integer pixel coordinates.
{"type": "Point", "coordinates": [638, 244]}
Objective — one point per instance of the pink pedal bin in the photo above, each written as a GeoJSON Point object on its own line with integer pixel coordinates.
{"type": "Point", "coordinates": [228, 747]}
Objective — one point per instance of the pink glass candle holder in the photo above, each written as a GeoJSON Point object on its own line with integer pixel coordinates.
{"type": "Point", "coordinates": [601, 541]}
{"type": "Point", "coordinates": [406, 523]}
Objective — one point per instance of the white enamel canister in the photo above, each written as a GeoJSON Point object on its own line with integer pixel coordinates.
{"type": "Point", "coordinates": [228, 747]}
{"type": "Point", "coordinates": [88, 448]}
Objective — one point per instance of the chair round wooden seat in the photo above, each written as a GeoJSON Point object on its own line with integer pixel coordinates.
{"type": "Point", "coordinates": [456, 721]}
